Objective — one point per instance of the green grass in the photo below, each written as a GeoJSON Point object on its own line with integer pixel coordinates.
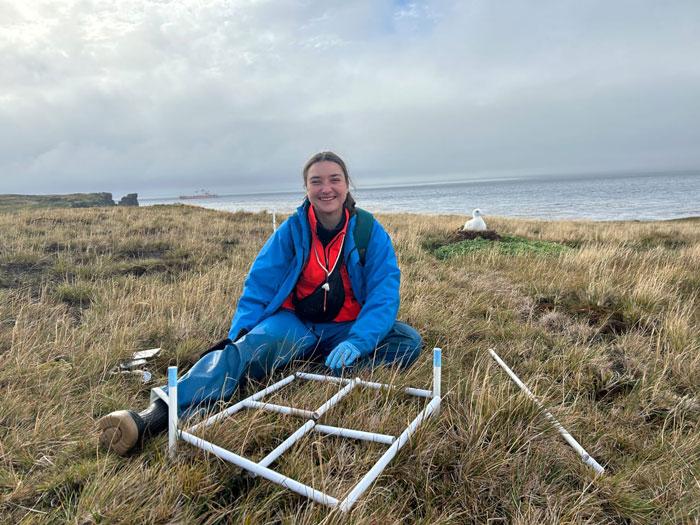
{"type": "Point", "coordinates": [511, 245]}
{"type": "Point", "coordinates": [607, 335]}
{"type": "Point", "coordinates": [12, 202]}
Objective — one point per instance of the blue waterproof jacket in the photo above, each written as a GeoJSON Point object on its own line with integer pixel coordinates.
{"type": "Point", "coordinates": [278, 265]}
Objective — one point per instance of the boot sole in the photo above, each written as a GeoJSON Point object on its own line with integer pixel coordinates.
{"type": "Point", "coordinates": [118, 432]}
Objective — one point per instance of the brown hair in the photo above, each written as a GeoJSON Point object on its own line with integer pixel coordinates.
{"type": "Point", "coordinates": [331, 157]}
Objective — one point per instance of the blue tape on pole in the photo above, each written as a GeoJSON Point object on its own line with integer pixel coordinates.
{"type": "Point", "coordinates": [172, 376]}
{"type": "Point", "coordinates": [437, 357]}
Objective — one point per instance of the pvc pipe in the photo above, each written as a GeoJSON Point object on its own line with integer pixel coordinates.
{"type": "Point", "coordinates": [374, 472]}
{"type": "Point", "coordinates": [585, 457]}
{"type": "Point", "coordinates": [337, 397]}
{"type": "Point", "coordinates": [285, 445]}
{"type": "Point", "coordinates": [326, 379]}
{"type": "Point", "coordinates": [264, 472]}
{"type": "Point", "coordinates": [242, 404]}
{"type": "Point", "coordinates": [172, 411]}
{"type": "Point", "coordinates": [437, 372]}
{"type": "Point", "coordinates": [410, 391]}
{"type": "Point", "coordinates": [274, 221]}
{"type": "Point", "coordinates": [371, 384]}
{"type": "Point", "coordinates": [290, 411]}
{"type": "Point", "coordinates": [437, 376]}
{"type": "Point", "coordinates": [355, 434]}
{"type": "Point", "coordinates": [418, 392]}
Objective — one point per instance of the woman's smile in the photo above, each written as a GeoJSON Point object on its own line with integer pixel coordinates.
{"type": "Point", "coordinates": [327, 190]}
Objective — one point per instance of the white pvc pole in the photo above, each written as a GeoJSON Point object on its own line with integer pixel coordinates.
{"type": "Point", "coordinates": [585, 457]}
{"type": "Point", "coordinates": [242, 404]}
{"type": "Point", "coordinates": [290, 411]}
{"type": "Point", "coordinates": [437, 375]}
{"type": "Point", "coordinates": [410, 391]}
{"type": "Point", "coordinates": [285, 445]}
{"type": "Point", "coordinates": [325, 379]}
{"type": "Point", "coordinates": [374, 472]}
{"type": "Point", "coordinates": [371, 384]}
{"type": "Point", "coordinates": [274, 221]}
{"type": "Point", "coordinates": [355, 434]}
{"type": "Point", "coordinates": [337, 397]}
{"type": "Point", "coordinates": [264, 472]}
{"type": "Point", "coordinates": [172, 411]}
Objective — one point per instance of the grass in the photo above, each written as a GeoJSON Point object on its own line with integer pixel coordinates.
{"type": "Point", "coordinates": [14, 202]}
{"type": "Point", "coordinates": [605, 333]}
{"type": "Point", "coordinates": [509, 245]}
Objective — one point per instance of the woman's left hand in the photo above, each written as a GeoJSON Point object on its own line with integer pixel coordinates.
{"type": "Point", "coordinates": [341, 356]}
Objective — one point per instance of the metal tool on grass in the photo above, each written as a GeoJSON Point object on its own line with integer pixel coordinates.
{"type": "Point", "coordinates": [585, 456]}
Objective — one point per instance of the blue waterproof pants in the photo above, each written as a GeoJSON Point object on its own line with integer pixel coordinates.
{"type": "Point", "coordinates": [274, 342]}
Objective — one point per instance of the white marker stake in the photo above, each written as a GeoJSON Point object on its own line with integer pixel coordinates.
{"type": "Point", "coordinates": [585, 457]}
{"type": "Point", "coordinates": [437, 375]}
{"type": "Point", "coordinates": [172, 411]}
{"type": "Point", "coordinates": [274, 221]}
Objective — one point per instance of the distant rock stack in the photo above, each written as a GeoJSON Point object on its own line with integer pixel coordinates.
{"type": "Point", "coordinates": [129, 200]}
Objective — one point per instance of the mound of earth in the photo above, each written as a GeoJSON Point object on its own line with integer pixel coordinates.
{"type": "Point", "coordinates": [461, 242]}
{"type": "Point", "coordinates": [465, 235]}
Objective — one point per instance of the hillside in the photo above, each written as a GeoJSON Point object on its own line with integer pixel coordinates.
{"type": "Point", "coordinates": [14, 202]}
{"type": "Point", "coordinates": [604, 329]}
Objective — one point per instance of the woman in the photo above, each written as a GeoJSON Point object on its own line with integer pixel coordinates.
{"type": "Point", "coordinates": [310, 291]}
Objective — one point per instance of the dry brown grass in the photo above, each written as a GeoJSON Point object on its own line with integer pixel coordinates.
{"type": "Point", "coordinates": [605, 334]}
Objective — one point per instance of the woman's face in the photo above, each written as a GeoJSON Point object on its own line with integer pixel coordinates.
{"type": "Point", "coordinates": [327, 188]}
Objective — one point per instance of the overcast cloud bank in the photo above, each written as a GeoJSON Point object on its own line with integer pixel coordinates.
{"type": "Point", "coordinates": [158, 97]}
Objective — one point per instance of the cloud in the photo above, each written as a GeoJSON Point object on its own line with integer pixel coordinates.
{"type": "Point", "coordinates": [152, 96]}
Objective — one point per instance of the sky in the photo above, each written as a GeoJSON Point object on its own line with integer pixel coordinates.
{"type": "Point", "coordinates": [165, 97]}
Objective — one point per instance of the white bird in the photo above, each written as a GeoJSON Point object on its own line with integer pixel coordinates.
{"type": "Point", "coordinates": [476, 224]}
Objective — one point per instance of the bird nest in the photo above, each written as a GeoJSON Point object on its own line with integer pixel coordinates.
{"type": "Point", "coordinates": [466, 235]}
{"type": "Point", "coordinates": [461, 242]}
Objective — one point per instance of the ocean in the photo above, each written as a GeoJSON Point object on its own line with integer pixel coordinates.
{"type": "Point", "coordinates": [642, 197]}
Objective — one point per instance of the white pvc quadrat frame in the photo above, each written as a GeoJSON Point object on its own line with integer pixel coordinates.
{"type": "Point", "coordinates": [261, 468]}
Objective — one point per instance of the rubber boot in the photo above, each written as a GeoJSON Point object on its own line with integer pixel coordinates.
{"type": "Point", "coordinates": [122, 430]}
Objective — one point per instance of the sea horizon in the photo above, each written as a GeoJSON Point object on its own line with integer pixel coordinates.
{"type": "Point", "coordinates": [641, 196]}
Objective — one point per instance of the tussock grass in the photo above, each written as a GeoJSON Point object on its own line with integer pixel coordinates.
{"type": "Point", "coordinates": [507, 245]}
{"type": "Point", "coordinates": [605, 333]}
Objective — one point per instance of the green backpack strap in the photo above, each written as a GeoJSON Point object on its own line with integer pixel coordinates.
{"type": "Point", "coordinates": [363, 229]}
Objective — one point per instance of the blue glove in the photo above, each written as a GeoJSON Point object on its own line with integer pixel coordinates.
{"type": "Point", "coordinates": [341, 356]}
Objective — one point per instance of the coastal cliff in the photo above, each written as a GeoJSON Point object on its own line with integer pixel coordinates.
{"type": "Point", "coordinates": [14, 202]}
